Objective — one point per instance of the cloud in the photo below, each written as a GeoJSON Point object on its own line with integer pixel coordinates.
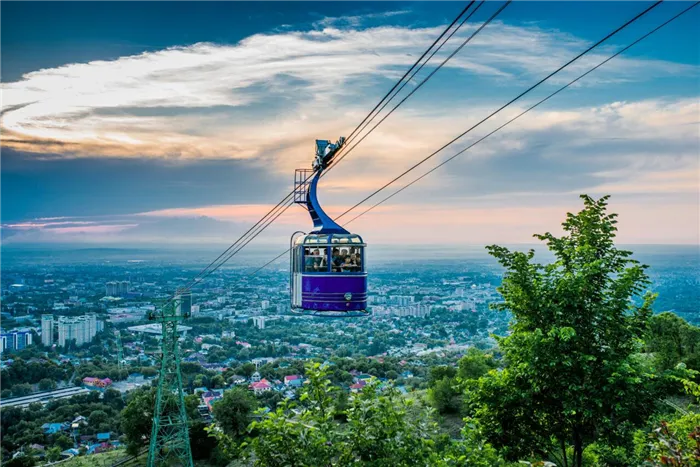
{"type": "Point", "coordinates": [270, 94]}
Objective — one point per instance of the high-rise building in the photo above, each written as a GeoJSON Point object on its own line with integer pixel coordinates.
{"type": "Point", "coordinates": [123, 288]}
{"type": "Point", "coordinates": [111, 289]}
{"type": "Point", "coordinates": [183, 302]}
{"type": "Point", "coordinates": [47, 330]}
{"type": "Point", "coordinates": [259, 322]}
{"type": "Point", "coordinates": [16, 339]}
{"type": "Point", "coordinates": [81, 329]}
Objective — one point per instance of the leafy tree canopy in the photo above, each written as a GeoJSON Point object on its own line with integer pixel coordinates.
{"type": "Point", "coordinates": [570, 377]}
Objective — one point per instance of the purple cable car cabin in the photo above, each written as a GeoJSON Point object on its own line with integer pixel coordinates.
{"type": "Point", "coordinates": [327, 266]}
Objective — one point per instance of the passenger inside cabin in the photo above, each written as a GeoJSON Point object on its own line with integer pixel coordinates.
{"type": "Point", "coordinates": [348, 265]}
{"type": "Point", "coordinates": [336, 260]}
{"type": "Point", "coordinates": [356, 260]}
{"type": "Point", "coordinates": [309, 261]}
{"type": "Point", "coordinates": [320, 264]}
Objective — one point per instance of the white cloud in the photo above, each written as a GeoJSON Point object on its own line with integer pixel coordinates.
{"type": "Point", "coordinates": [269, 91]}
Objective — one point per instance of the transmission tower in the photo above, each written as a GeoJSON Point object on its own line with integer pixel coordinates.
{"type": "Point", "coordinates": [170, 441]}
{"type": "Point", "coordinates": [120, 355]}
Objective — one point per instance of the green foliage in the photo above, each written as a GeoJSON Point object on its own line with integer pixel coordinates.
{"type": "Point", "coordinates": [381, 432]}
{"type": "Point", "coordinates": [438, 373]}
{"type": "Point", "coordinates": [233, 412]}
{"type": "Point", "coordinates": [299, 435]}
{"type": "Point", "coordinates": [53, 454]}
{"type": "Point", "coordinates": [137, 419]}
{"type": "Point", "coordinates": [677, 443]}
{"type": "Point", "coordinates": [470, 451]}
{"type": "Point", "coordinates": [570, 376]}
{"type": "Point", "coordinates": [445, 395]}
{"type": "Point", "coordinates": [33, 372]}
{"type": "Point", "coordinates": [47, 384]}
{"type": "Point", "coordinates": [22, 389]}
{"type": "Point", "coordinates": [673, 341]}
{"type": "Point", "coordinates": [20, 461]}
{"type": "Point", "coordinates": [383, 428]}
{"type": "Point", "coordinates": [63, 442]}
{"type": "Point", "coordinates": [475, 364]}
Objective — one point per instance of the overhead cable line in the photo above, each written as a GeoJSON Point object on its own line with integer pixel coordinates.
{"type": "Point", "coordinates": [403, 78]}
{"type": "Point", "coordinates": [280, 207]}
{"type": "Point", "coordinates": [527, 110]}
{"type": "Point", "coordinates": [419, 163]}
{"type": "Point", "coordinates": [512, 119]}
{"type": "Point", "coordinates": [466, 41]}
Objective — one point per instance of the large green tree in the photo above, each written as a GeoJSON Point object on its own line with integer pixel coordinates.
{"type": "Point", "coordinates": [570, 377]}
{"type": "Point", "coordinates": [234, 411]}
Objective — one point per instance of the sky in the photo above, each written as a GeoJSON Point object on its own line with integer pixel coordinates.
{"type": "Point", "coordinates": [152, 123]}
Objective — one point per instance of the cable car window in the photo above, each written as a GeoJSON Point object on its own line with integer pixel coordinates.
{"type": "Point", "coordinates": [347, 259]}
{"type": "Point", "coordinates": [315, 259]}
{"type": "Point", "coordinates": [316, 239]}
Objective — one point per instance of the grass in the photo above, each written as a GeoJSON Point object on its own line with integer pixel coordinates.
{"type": "Point", "coordinates": [104, 459]}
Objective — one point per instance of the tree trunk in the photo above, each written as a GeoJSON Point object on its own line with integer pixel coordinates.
{"type": "Point", "coordinates": [578, 449]}
{"type": "Point", "coordinates": [563, 453]}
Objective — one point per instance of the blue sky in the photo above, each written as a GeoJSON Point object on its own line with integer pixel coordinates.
{"type": "Point", "coordinates": [131, 120]}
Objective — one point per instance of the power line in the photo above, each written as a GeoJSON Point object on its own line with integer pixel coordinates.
{"type": "Point", "coordinates": [413, 66]}
{"type": "Point", "coordinates": [514, 118]}
{"type": "Point", "coordinates": [466, 41]}
{"type": "Point", "coordinates": [413, 167]}
{"type": "Point", "coordinates": [527, 110]}
{"type": "Point", "coordinates": [281, 207]}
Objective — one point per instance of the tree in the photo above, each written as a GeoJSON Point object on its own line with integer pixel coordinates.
{"type": "Point", "coordinates": [218, 381]}
{"type": "Point", "coordinates": [20, 461]}
{"type": "Point", "coordinates": [97, 418]}
{"type": "Point", "coordinates": [570, 377]}
{"type": "Point", "coordinates": [382, 432]}
{"type": "Point", "coordinates": [438, 373]}
{"type": "Point", "coordinates": [63, 442]}
{"type": "Point", "coordinates": [53, 454]}
{"type": "Point", "coordinates": [247, 369]}
{"type": "Point", "coordinates": [233, 412]}
{"type": "Point", "coordinates": [470, 450]}
{"type": "Point", "coordinates": [47, 384]}
{"type": "Point", "coordinates": [23, 389]}
{"type": "Point", "coordinates": [673, 340]}
{"type": "Point", "coordinates": [475, 364]}
{"type": "Point", "coordinates": [137, 419]}
{"type": "Point", "coordinates": [444, 395]}
{"type": "Point", "coordinates": [382, 429]}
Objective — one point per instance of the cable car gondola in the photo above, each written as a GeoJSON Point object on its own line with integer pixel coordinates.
{"type": "Point", "coordinates": [327, 265]}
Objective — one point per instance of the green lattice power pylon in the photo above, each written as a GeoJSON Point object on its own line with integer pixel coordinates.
{"type": "Point", "coordinates": [170, 441]}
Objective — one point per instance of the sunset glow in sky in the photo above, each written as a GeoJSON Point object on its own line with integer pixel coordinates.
{"type": "Point", "coordinates": [155, 122]}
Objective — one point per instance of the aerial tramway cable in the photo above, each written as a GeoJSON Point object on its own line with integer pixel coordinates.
{"type": "Point", "coordinates": [466, 41]}
{"type": "Point", "coordinates": [516, 98]}
{"type": "Point", "coordinates": [526, 110]}
{"type": "Point", "coordinates": [509, 121]}
{"type": "Point", "coordinates": [403, 78]}
{"type": "Point", "coordinates": [280, 207]}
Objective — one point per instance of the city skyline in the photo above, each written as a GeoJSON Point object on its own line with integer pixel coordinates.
{"type": "Point", "coordinates": [115, 133]}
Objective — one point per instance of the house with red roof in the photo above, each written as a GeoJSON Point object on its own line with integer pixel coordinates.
{"type": "Point", "coordinates": [357, 387]}
{"type": "Point", "coordinates": [96, 382]}
{"type": "Point", "coordinates": [261, 386]}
